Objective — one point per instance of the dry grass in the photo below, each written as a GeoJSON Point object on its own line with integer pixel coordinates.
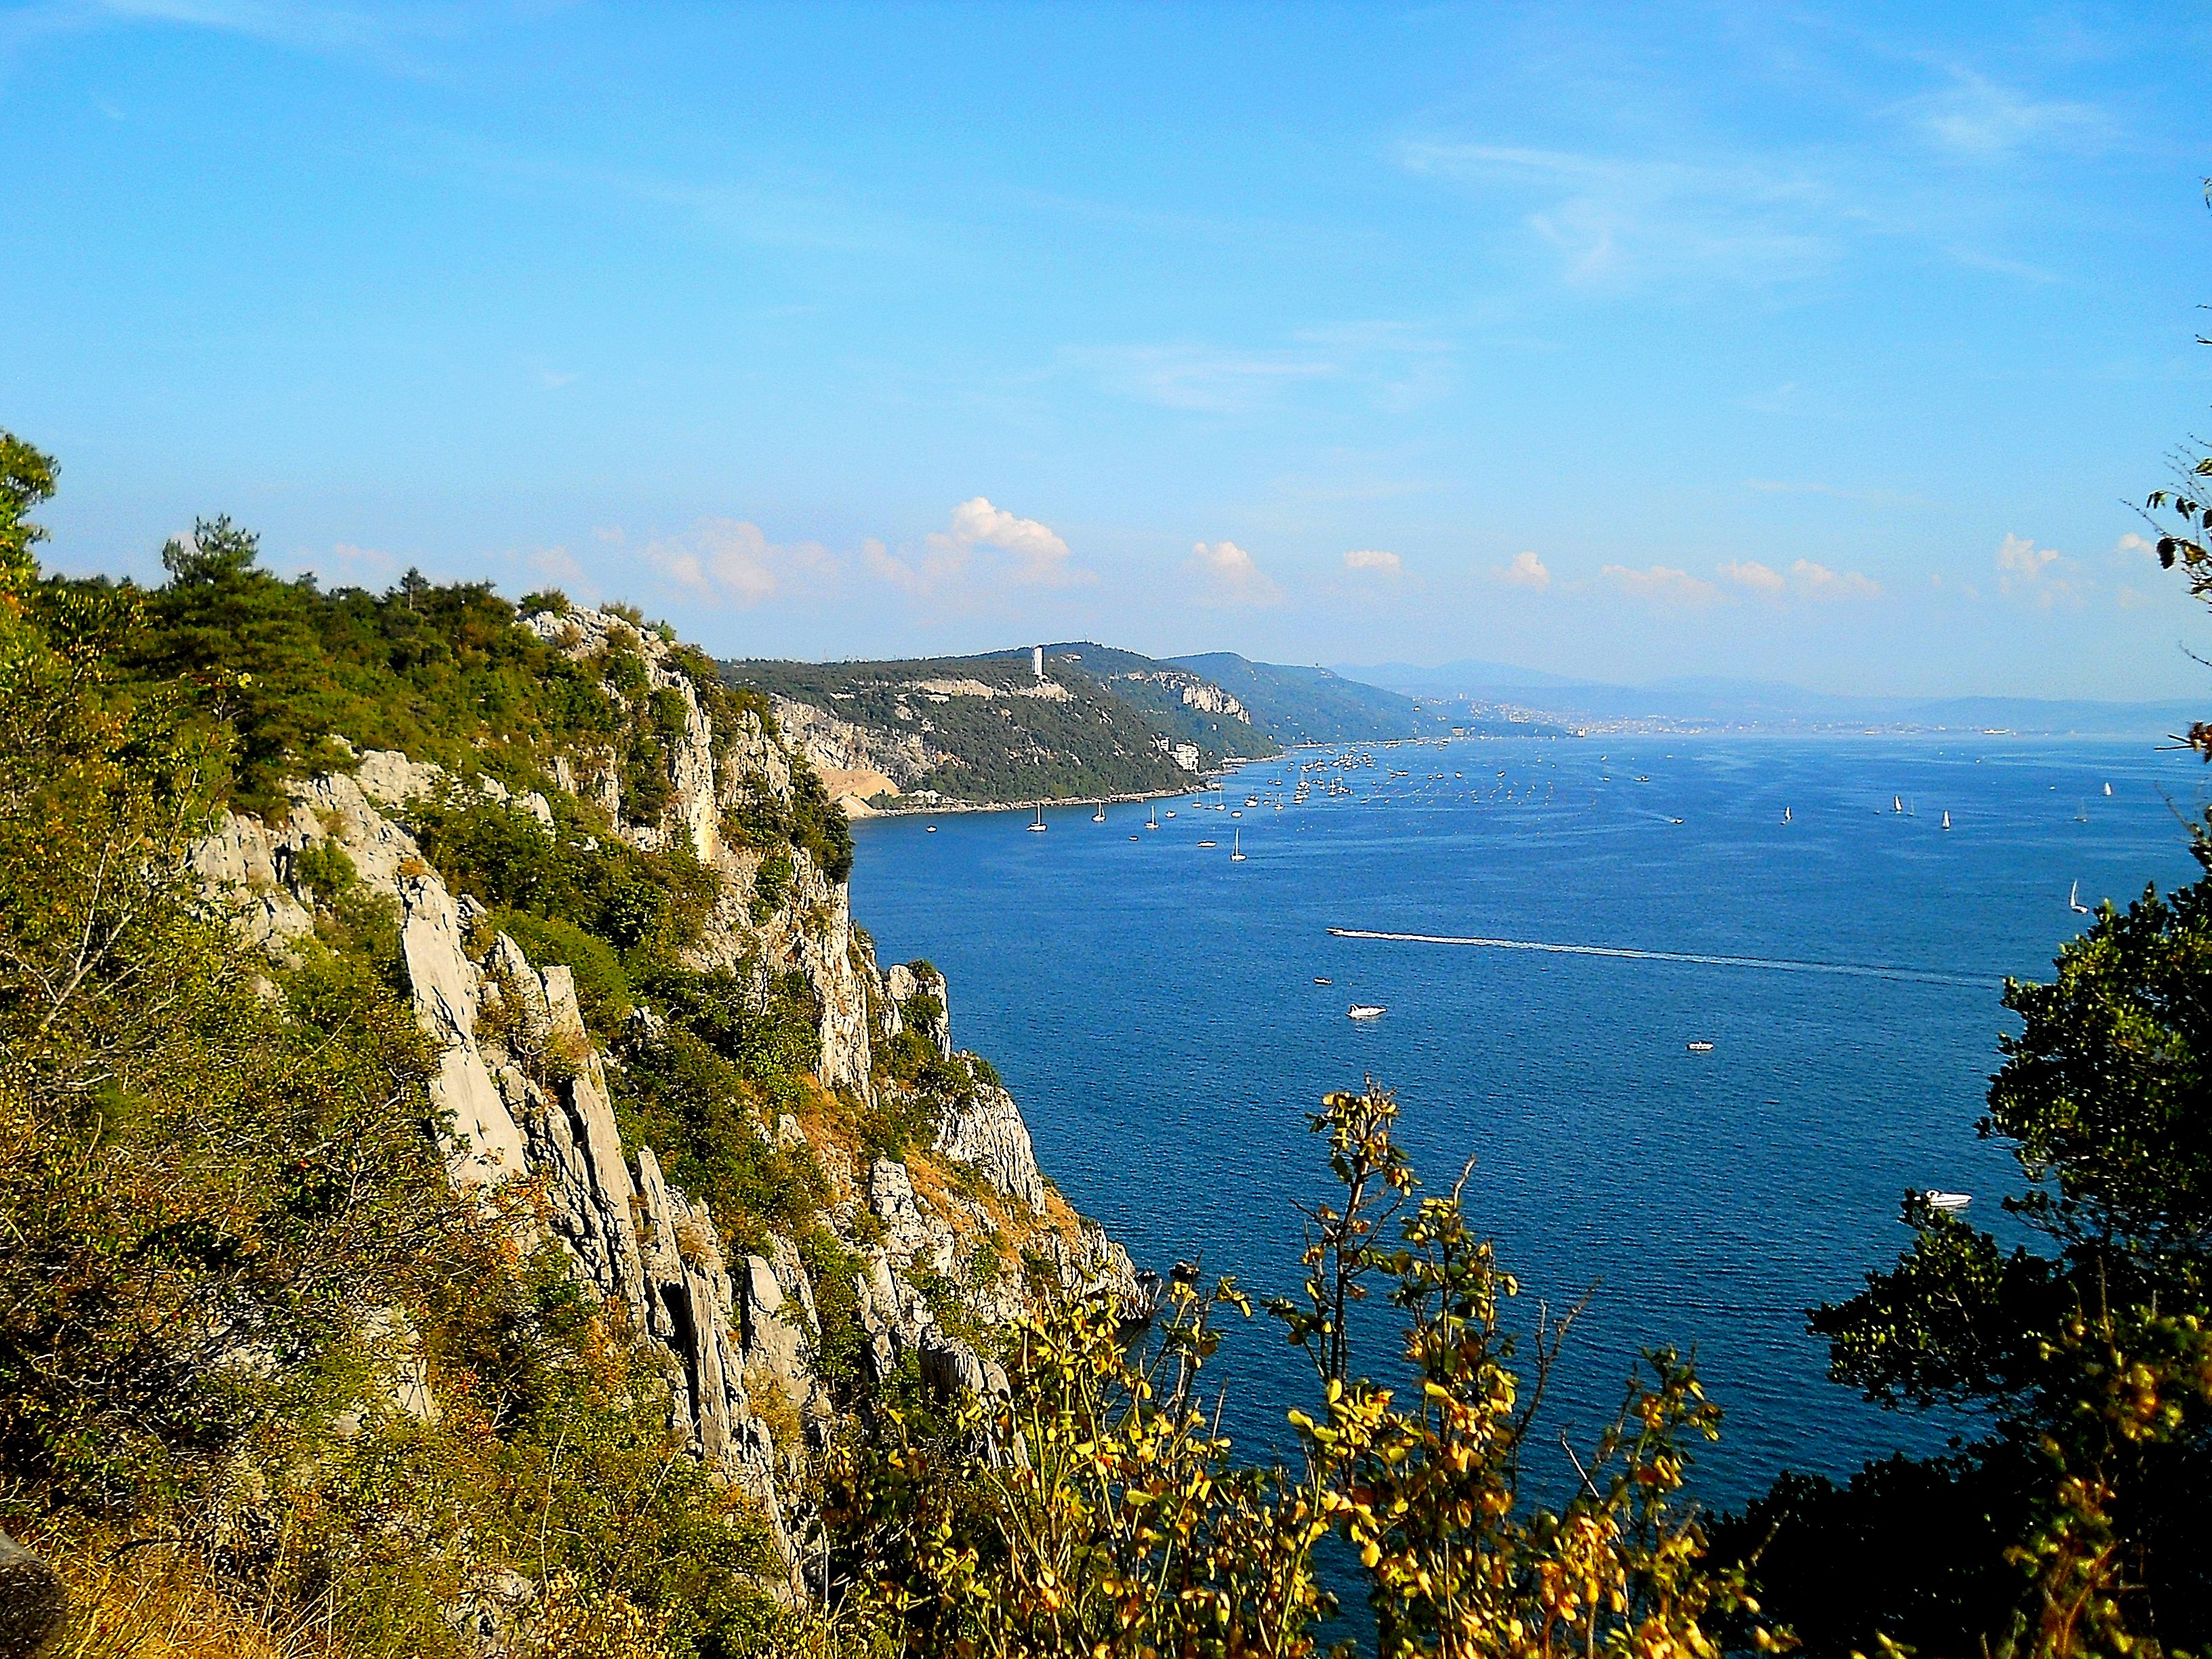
{"type": "Point", "coordinates": [152, 1601]}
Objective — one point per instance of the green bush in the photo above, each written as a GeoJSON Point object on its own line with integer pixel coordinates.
{"type": "Point", "coordinates": [603, 989]}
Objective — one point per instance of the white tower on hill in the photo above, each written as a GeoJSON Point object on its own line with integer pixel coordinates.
{"type": "Point", "coordinates": [1037, 660]}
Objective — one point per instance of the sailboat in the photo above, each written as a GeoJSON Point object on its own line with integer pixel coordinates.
{"type": "Point", "coordinates": [1037, 829]}
{"type": "Point", "coordinates": [1099, 817]}
{"type": "Point", "coordinates": [2108, 788]}
{"type": "Point", "coordinates": [1946, 820]}
{"type": "Point", "coordinates": [1154, 822]}
{"type": "Point", "coordinates": [1785, 815]}
{"type": "Point", "coordinates": [1897, 803]}
{"type": "Point", "coordinates": [2082, 814]}
{"type": "Point", "coordinates": [2073, 901]}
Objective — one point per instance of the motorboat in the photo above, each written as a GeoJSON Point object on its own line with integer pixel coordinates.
{"type": "Point", "coordinates": [1365, 1011]}
{"type": "Point", "coordinates": [1939, 1200]}
{"type": "Point", "coordinates": [1318, 980]}
{"type": "Point", "coordinates": [1700, 1047]}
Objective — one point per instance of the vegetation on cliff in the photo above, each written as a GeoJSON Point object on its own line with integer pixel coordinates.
{"type": "Point", "coordinates": [269, 1372]}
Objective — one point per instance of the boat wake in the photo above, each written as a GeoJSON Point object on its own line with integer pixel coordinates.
{"type": "Point", "coordinates": [1916, 975]}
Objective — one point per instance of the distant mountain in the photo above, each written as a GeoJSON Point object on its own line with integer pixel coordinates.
{"type": "Point", "coordinates": [1313, 705]}
{"type": "Point", "coordinates": [1722, 703]}
{"type": "Point", "coordinates": [1450, 678]}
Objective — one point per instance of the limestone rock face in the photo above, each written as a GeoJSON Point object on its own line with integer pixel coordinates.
{"type": "Point", "coordinates": [524, 1090]}
{"type": "Point", "coordinates": [985, 1129]}
{"type": "Point", "coordinates": [903, 982]}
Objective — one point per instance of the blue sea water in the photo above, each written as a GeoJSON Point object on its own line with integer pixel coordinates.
{"type": "Point", "coordinates": [1151, 1004]}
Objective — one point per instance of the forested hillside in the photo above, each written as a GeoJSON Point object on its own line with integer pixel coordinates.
{"type": "Point", "coordinates": [1314, 705]}
{"type": "Point", "coordinates": [984, 730]}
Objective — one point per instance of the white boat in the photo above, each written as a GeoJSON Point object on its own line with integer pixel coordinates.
{"type": "Point", "coordinates": [1364, 1011]}
{"type": "Point", "coordinates": [1939, 1200]}
{"type": "Point", "coordinates": [1099, 817]}
{"type": "Point", "coordinates": [932, 828]}
{"type": "Point", "coordinates": [1209, 843]}
{"type": "Point", "coordinates": [1785, 815]}
{"type": "Point", "coordinates": [2108, 788]}
{"type": "Point", "coordinates": [1154, 822]}
{"type": "Point", "coordinates": [2074, 900]}
{"type": "Point", "coordinates": [1037, 828]}
{"type": "Point", "coordinates": [1946, 820]}
{"type": "Point", "coordinates": [1318, 980]}
{"type": "Point", "coordinates": [1700, 1047]}
{"type": "Point", "coordinates": [1897, 803]}
{"type": "Point", "coordinates": [1236, 853]}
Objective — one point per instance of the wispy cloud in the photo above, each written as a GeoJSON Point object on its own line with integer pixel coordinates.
{"type": "Point", "coordinates": [1616, 220]}
{"type": "Point", "coordinates": [1204, 378]}
{"type": "Point", "coordinates": [1375, 560]}
{"type": "Point", "coordinates": [733, 561]}
{"type": "Point", "coordinates": [1397, 365]}
{"type": "Point", "coordinates": [1660, 585]}
{"type": "Point", "coordinates": [1974, 118]}
{"type": "Point", "coordinates": [1229, 577]}
{"type": "Point", "coordinates": [391, 37]}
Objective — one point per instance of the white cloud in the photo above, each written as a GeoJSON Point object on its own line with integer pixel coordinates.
{"type": "Point", "coordinates": [1767, 583]}
{"type": "Point", "coordinates": [1977, 119]}
{"type": "Point", "coordinates": [2021, 559]}
{"type": "Point", "coordinates": [1661, 584]}
{"type": "Point", "coordinates": [1805, 580]}
{"type": "Point", "coordinates": [1817, 581]}
{"type": "Point", "coordinates": [1375, 559]}
{"type": "Point", "coordinates": [1618, 220]}
{"type": "Point", "coordinates": [2037, 573]}
{"type": "Point", "coordinates": [1527, 570]}
{"type": "Point", "coordinates": [730, 559]}
{"type": "Point", "coordinates": [565, 571]}
{"type": "Point", "coordinates": [1206, 380]}
{"type": "Point", "coordinates": [1231, 576]}
{"type": "Point", "coordinates": [2142, 546]}
{"type": "Point", "coordinates": [936, 569]}
{"type": "Point", "coordinates": [1041, 558]}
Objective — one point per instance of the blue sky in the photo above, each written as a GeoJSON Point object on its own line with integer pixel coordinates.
{"type": "Point", "coordinates": [1819, 344]}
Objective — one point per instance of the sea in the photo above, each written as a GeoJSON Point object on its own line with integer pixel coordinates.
{"type": "Point", "coordinates": [1158, 1010]}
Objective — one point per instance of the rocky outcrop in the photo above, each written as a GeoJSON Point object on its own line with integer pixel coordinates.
{"type": "Point", "coordinates": [984, 1130]}
{"type": "Point", "coordinates": [523, 1093]}
{"type": "Point", "coordinates": [32, 1601]}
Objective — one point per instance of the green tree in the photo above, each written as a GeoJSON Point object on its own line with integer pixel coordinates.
{"type": "Point", "coordinates": [27, 477]}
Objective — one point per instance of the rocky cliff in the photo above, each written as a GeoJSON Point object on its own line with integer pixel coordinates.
{"type": "Point", "coordinates": [525, 1094]}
